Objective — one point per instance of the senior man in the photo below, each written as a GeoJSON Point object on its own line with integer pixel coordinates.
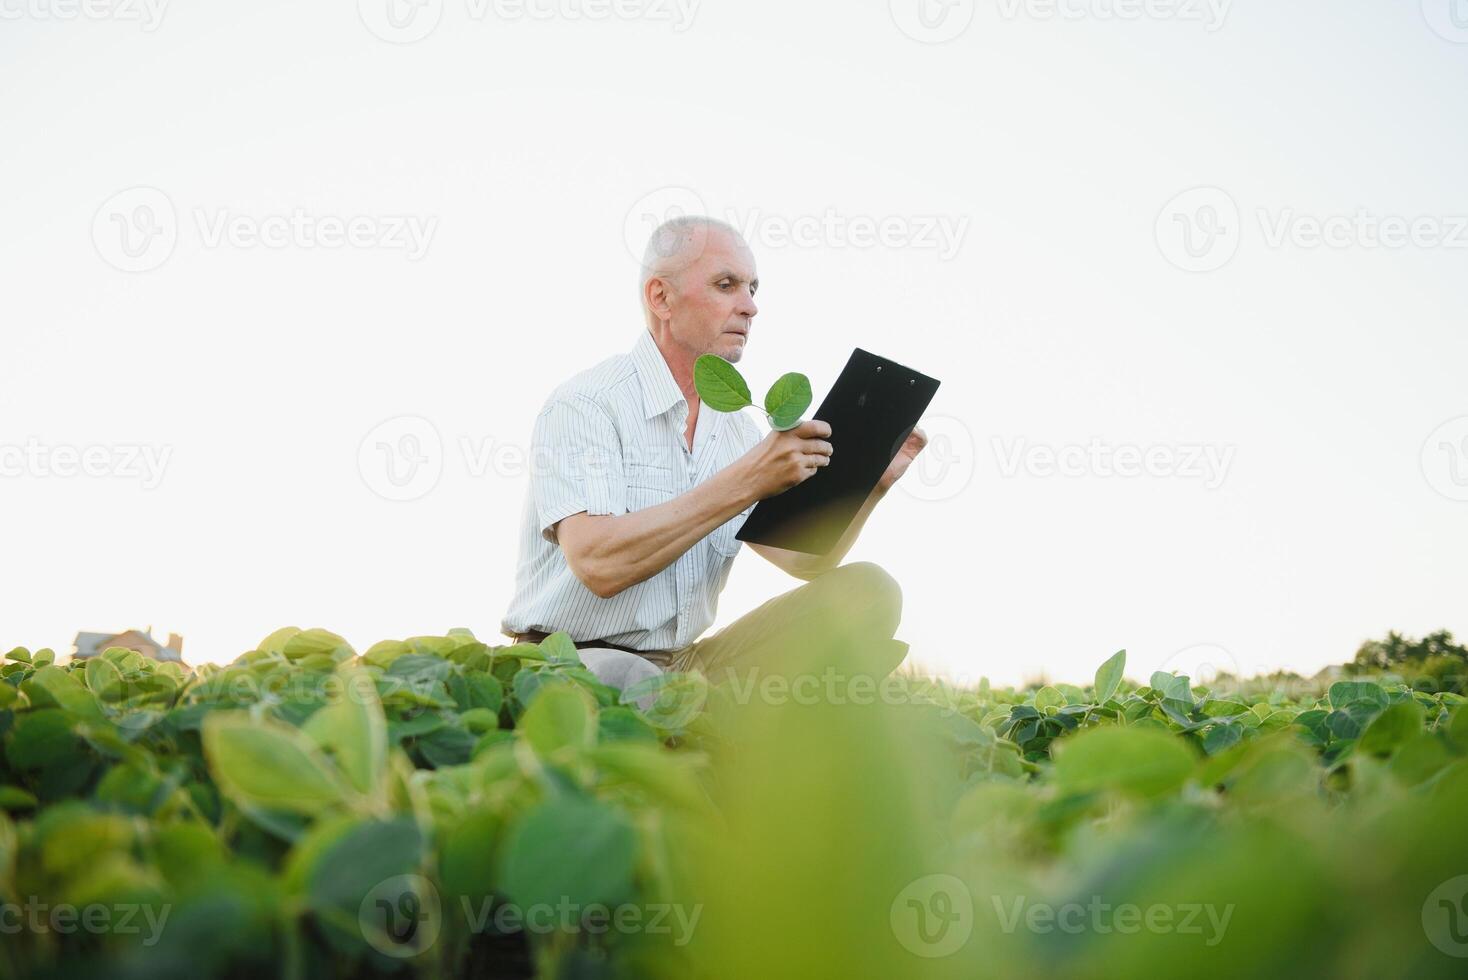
{"type": "Point", "coordinates": [637, 491]}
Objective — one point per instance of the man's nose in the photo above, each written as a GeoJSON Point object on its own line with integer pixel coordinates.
{"type": "Point", "coordinates": [747, 306]}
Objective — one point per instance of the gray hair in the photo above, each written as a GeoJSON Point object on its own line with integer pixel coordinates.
{"type": "Point", "coordinates": [670, 249]}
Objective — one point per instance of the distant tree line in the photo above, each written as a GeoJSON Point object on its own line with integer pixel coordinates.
{"type": "Point", "coordinates": [1433, 663]}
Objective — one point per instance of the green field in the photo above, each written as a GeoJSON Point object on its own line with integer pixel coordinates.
{"type": "Point", "coordinates": [441, 807]}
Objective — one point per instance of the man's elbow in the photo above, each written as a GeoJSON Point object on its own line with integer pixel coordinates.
{"type": "Point", "coordinates": [597, 581]}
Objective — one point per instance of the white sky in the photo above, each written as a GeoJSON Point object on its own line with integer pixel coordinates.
{"type": "Point", "coordinates": [526, 151]}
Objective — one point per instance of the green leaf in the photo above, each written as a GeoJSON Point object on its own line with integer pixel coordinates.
{"type": "Point", "coordinates": [1047, 698]}
{"type": "Point", "coordinates": [1222, 737]}
{"type": "Point", "coordinates": [560, 715]}
{"type": "Point", "coordinates": [719, 384]}
{"type": "Point", "coordinates": [1350, 721]}
{"type": "Point", "coordinates": [42, 739]}
{"type": "Point", "coordinates": [275, 642]}
{"type": "Point", "coordinates": [569, 849]}
{"type": "Point", "coordinates": [103, 678]}
{"type": "Point", "coordinates": [270, 765]}
{"type": "Point", "coordinates": [1108, 676]}
{"type": "Point", "coordinates": [317, 642]}
{"type": "Point", "coordinates": [1134, 761]}
{"type": "Point", "coordinates": [787, 400]}
{"type": "Point", "coordinates": [1343, 693]}
{"type": "Point", "coordinates": [367, 881]}
{"type": "Point", "coordinates": [466, 860]}
{"type": "Point", "coordinates": [15, 798]}
{"type": "Point", "coordinates": [19, 655]}
{"type": "Point", "coordinates": [559, 648]}
{"type": "Point", "coordinates": [1390, 729]}
{"type": "Point", "coordinates": [1174, 687]}
{"type": "Point", "coordinates": [352, 728]}
{"type": "Point", "coordinates": [52, 686]}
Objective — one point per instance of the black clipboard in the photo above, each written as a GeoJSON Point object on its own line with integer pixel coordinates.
{"type": "Point", "coordinates": [872, 409]}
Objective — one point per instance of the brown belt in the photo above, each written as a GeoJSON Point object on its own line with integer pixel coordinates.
{"type": "Point", "coordinates": [535, 636]}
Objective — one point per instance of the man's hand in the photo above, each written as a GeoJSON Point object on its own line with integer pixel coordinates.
{"type": "Point", "coordinates": [914, 444]}
{"type": "Point", "coordinates": [786, 459]}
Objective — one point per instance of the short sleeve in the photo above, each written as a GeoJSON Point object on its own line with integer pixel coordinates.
{"type": "Point", "coordinates": [576, 463]}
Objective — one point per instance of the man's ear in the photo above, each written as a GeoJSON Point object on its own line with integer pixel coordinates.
{"type": "Point", "coordinates": [656, 294]}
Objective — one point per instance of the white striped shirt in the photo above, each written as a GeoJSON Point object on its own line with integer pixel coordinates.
{"type": "Point", "coordinates": [610, 441]}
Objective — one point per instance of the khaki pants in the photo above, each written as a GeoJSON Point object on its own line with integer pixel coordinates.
{"type": "Point", "coordinates": [842, 620]}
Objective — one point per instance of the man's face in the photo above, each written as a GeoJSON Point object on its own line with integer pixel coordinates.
{"type": "Point", "coordinates": [711, 301]}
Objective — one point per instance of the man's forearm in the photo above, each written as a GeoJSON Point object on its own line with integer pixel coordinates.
{"type": "Point", "coordinates": [634, 547]}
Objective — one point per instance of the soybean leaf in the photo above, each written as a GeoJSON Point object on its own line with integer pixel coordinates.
{"type": "Point", "coordinates": [1108, 676]}
{"type": "Point", "coordinates": [354, 731]}
{"type": "Point", "coordinates": [569, 849]}
{"type": "Point", "coordinates": [720, 384]}
{"type": "Point", "coordinates": [559, 716]}
{"type": "Point", "coordinates": [264, 764]}
{"type": "Point", "coordinates": [1392, 728]}
{"type": "Point", "coordinates": [1135, 761]}
{"type": "Point", "coordinates": [787, 400]}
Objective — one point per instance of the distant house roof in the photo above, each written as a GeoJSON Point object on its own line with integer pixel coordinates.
{"type": "Point", "coordinates": [92, 644]}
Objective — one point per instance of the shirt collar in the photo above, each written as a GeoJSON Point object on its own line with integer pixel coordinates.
{"type": "Point", "coordinates": [659, 391]}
